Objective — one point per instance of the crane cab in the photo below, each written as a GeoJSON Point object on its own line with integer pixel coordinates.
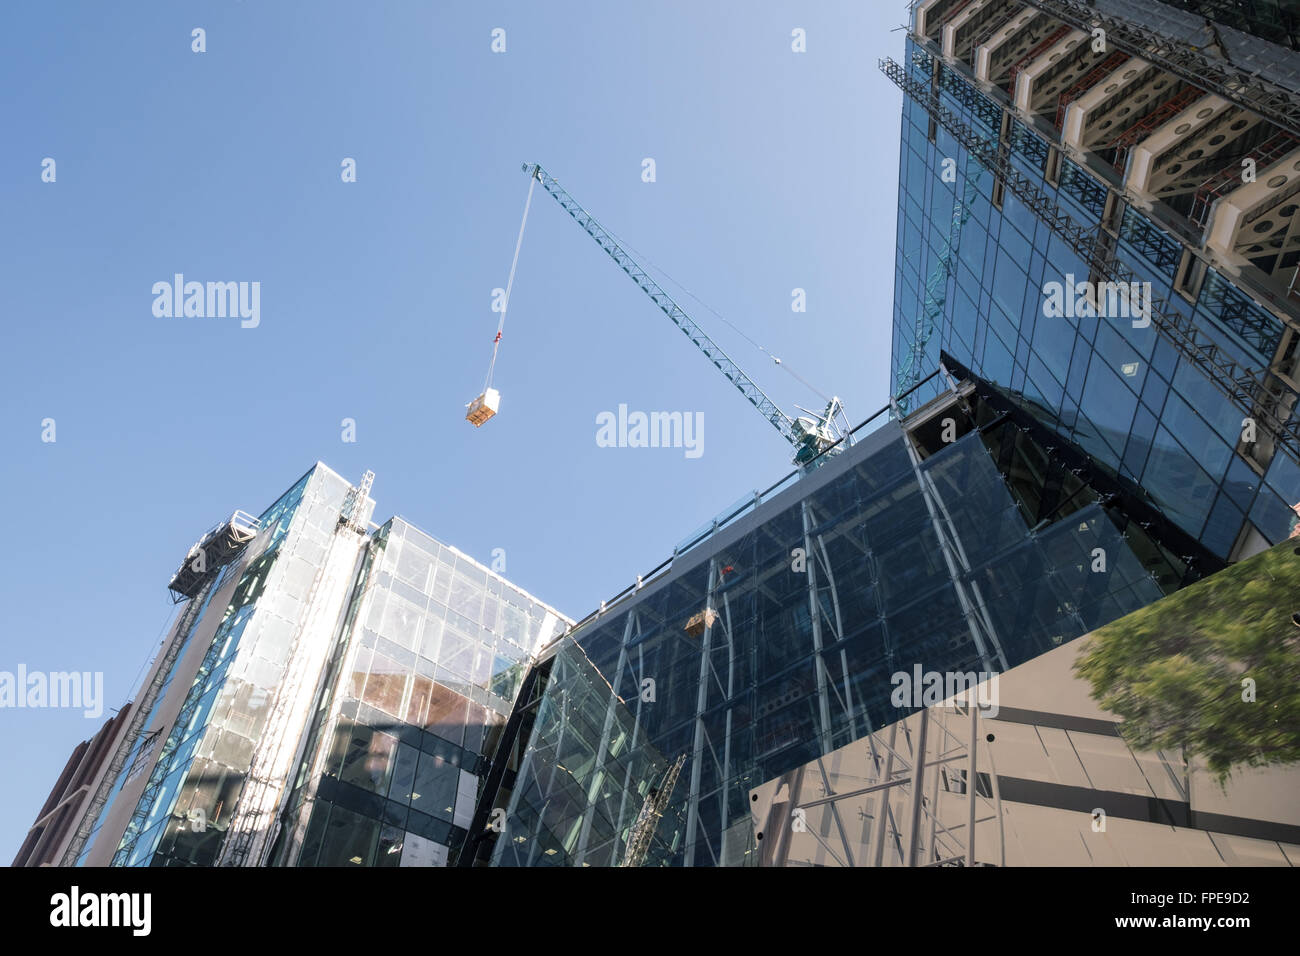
{"type": "Point", "coordinates": [483, 407]}
{"type": "Point", "coordinates": [817, 433]}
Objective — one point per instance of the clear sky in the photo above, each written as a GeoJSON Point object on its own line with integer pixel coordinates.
{"type": "Point", "coordinates": [775, 170]}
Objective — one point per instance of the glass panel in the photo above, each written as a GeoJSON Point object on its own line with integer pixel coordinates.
{"type": "Point", "coordinates": [447, 714]}
{"type": "Point", "coordinates": [386, 684]}
{"type": "Point", "coordinates": [368, 762]}
{"type": "Point", "coordinates": [349, 839]}
{"type": "Point", "coordinates": [435, 786]}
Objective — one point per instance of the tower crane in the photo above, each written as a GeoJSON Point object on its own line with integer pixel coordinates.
{"type": "Point", "coordinates": [811, 434]}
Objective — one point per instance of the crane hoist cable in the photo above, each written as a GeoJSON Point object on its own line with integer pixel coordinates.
{"type": "Point", "coordinates": [510, 282]}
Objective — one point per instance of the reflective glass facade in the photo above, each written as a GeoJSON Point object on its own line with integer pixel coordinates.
{"type": "Point", "coordinates": [1061, 780]}
{"type": "Point", "coordinates": [332, 697]}
{"type": "Point", "coordinates": [431, 658]}
{"type": "Point", "coordinates": [585, 775]}
{"type": "Point", "coordinates": [773, 641]}
{"type": "Point", "coordinates": [970, 282]}
{"type": "Point", "coordinates": [196, 783]}
{"type": "Point", "coordinates": [141, 751]}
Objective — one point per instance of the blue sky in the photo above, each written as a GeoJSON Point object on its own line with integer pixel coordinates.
{"type": "Point", "coordinates": [774, 171]}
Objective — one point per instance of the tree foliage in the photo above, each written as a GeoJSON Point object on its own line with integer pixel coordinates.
{"type": "Point", "coordinates": [1176, 671]}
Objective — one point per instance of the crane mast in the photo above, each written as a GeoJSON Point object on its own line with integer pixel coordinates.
{"type": "Point", "coordinates": [810, 435]}
{"type": "Point", "coordinates": [647, 821]}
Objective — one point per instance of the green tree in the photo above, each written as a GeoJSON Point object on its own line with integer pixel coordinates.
{"type": "Point", "coordinates": [1175, 671]}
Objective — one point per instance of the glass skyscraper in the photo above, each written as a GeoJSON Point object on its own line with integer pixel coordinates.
{"type": "Point", "coordinates": [329, 693]}
{"type": "Point", "coordinates": [432, 656]}
{"type": "Point", "coordinates": [1050, 148]}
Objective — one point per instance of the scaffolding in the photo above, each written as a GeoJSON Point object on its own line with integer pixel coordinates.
{"type": "Point", "coordinates": [222, 542]}
{"type": "Point", "coordinates": [352, 515]}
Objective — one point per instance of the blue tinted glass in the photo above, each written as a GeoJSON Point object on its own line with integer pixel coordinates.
{"type": "Point", "coordinates": [1196, 436]}
{"type": "Point", "coordinates": [1109, 406]}
{"type": "Point", "coordinates": [1118, 353]}
{"type": "Point", "coordinates": [1272, 516]}
{"type": "Point", "coordinates": [1154, 392]}
{"type": "Point", "coordinates": [1223, 527]}
{"type": "Point", "coordinates": [1139, 442]}
{"type": "Point", "coordinates": [1010, 283]}
{"type": "Point", "coordinates": [1284, 477]}
{"type": "Point", "coordinates": [997, 361]}
{"type": "Point", "coordinates": [1053, 343]}
{"type": "Point", "coordinates": [1043, 385]}
{"type": "Point", "coordinates": [1178, 483]}
{"type": "Point", "coordinates": [1196, 389]}
{"type": "Point", "coordinates": [1242, 483]}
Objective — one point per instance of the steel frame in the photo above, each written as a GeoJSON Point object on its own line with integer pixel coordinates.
{"type": "Point", "coordinates": [908, 769]}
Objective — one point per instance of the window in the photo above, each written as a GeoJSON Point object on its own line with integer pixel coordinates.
{"type": "Point", "coordinates": [368, 757]}
{"type": "Point", "coordinates": [349, 839]}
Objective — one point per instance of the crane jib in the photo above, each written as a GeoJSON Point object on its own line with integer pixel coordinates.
{"type": "Point", "coordinates": [752, 392]}
{"type": "Point", "coordinates": [808, 441]}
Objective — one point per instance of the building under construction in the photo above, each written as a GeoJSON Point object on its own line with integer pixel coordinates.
{"type": "Point", "coordinates": [339, 693]}
{"type": "Point", "coordinates": [1057, 473]}
{"type": "Point", "coordinates": [329, 693]}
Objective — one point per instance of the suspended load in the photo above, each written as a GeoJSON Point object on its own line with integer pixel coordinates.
{"type": "Point", "coordinates": [483, 407]}
{"type": "Point", "coordinates": [698, 622]}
